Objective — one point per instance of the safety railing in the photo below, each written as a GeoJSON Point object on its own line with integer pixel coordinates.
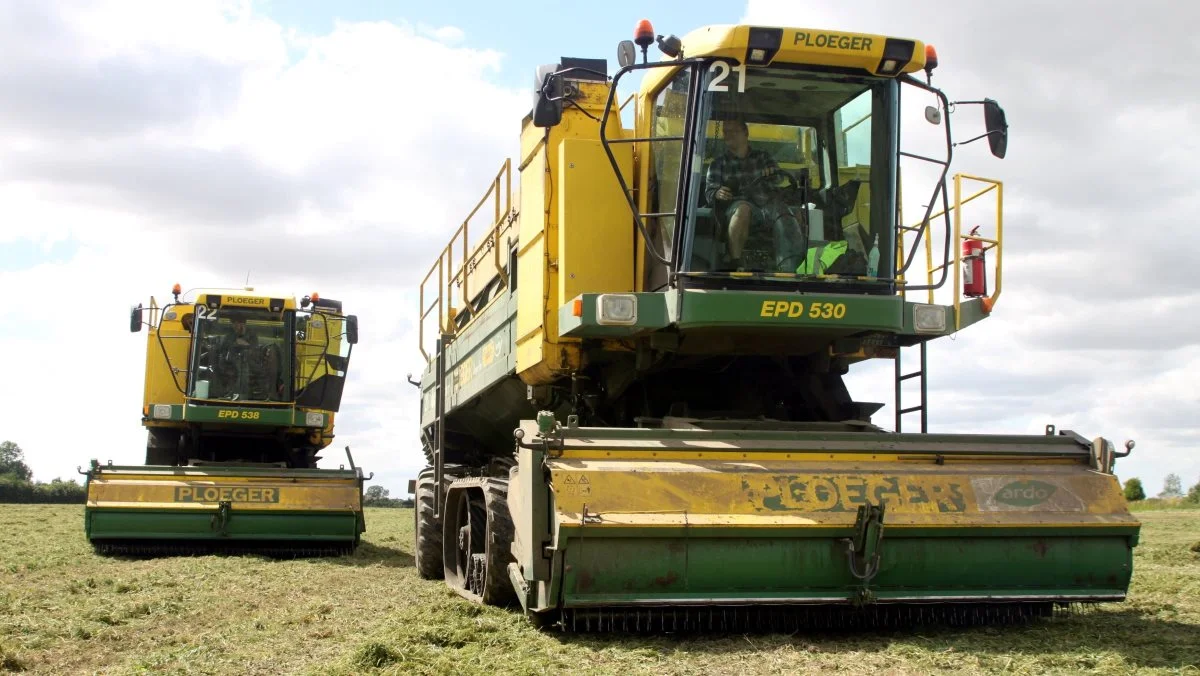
{"type": "Point", "coordinates": [993, 244]}
{"type": "Point", "coordinates": [457, 261]}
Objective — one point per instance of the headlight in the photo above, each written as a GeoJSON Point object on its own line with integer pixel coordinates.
{"type": "Point", "coordinates": [162, 411]}
{"type": "Point", "coordinates": [616, 308]}
{"type": "Point", "coordinates": [929, 318]}
{"type": "Point", "coordinates": [314, 419]}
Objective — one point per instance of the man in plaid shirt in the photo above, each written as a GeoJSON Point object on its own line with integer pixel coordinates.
{"type": "Point", "coordinates": [729, 189]}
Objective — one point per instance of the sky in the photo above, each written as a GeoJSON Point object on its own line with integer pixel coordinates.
{"type": "Point", "coordinates": [313, 146]}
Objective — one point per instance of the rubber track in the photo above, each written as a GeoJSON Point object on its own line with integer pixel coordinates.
{"type": "Point", "coordinates": [799, 618]}
{"type": "Point", "coordinates": [497, 588]}
{"type": "Point", "coordinates": [427, 535]}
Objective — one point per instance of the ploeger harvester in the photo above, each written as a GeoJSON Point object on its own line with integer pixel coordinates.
{"type": "Point", "coordinates": [240, 396]}
{"type": "Point", "coordinates": [663, 318]}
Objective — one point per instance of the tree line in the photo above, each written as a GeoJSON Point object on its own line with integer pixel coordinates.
{"type": "Point", "coordinates": [17, 484]}
{"type": "Point", "coordinates": [377, 496]}
{"type": "Point", "coordinates": [1172, 490]}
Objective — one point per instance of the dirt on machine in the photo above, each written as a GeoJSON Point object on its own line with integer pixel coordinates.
{"type": "Point", "coordinates": [241, 391]}
{"type": "Point", "coordinates": [634, 409]}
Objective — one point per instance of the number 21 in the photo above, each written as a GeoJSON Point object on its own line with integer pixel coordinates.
{"type": "Point", "coordinates": [720, 71]}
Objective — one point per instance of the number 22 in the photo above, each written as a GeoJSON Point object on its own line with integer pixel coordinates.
{"type": "Point", "coordinates": [720, 71]}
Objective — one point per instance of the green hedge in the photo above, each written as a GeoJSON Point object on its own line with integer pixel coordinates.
{"type": "Point", "coordinates": [13, 490]}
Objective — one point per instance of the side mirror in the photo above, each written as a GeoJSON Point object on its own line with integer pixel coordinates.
{"type": "Point", "coordinates": [135, 319]}
{"type": "Point", "coordinates": [352, 329]}
{"type": "Point", "coordinates": [626, 53]}
{"type": "Point", "coordinates": [547, 102]}
{"type": "Point", "coordinates": [997, 127]}
{"type": "Point", "coordinates": [933, 115]}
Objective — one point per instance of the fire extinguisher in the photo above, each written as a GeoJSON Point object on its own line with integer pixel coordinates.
{"type": "Point", "coordinates": [974, 273]}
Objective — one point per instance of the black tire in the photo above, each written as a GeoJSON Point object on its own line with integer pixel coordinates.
{"type": "Point", "coordinates": [427, 545]}
{"type": "Point", "coordinates": [162, 446]}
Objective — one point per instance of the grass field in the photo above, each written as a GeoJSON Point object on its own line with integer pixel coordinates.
{"type": "Point", "coordinates": [65, 610]}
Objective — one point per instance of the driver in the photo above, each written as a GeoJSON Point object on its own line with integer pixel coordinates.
{"type": "Point", "coordinates": [249, 369]}
{"type": "Point", "coordinates": [731, 189]}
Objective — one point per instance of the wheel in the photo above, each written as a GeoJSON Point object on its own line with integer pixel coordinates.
{"type": "Point", "coordinates": [477, 541]}
{"type": "Point", "coordinates": [427, 547]}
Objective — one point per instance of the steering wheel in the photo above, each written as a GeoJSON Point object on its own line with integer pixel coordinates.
{"type": "Point", "coordinates": [792, 184]}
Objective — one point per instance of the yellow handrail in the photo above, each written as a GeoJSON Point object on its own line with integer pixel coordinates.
{"type": "Point", "coordinates": [449, 274]}
{"type": "Point", "coordinates": [995, 243]}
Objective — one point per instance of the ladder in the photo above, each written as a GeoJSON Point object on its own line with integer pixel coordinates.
{"type": "Point", "coordinates": [901, 411]}
{"type": "Point", "coordinates": [439, 435]}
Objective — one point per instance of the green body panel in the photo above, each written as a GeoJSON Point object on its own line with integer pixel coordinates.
{"type": "Point", "coordinates": [478, 358]}
{"type": "Point", "coordinates": [604, 570]}
{"type": "Point", "coordinates": [236, 414]}
{"type": "Point", "coordinates": [653, 313]}
{"type": "Point", "coordinates": [829, 315]}
{"type": "Point", "coordinates": [191, 524]}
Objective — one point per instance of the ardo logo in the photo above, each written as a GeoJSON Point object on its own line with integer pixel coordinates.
{"type": "Point", "coordinates": [1025, 493]}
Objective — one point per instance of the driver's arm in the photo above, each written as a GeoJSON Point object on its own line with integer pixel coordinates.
{"type": "Point", "coordinates": [714, 180]}
{"type": "Point", "coordinates": [769, 165]}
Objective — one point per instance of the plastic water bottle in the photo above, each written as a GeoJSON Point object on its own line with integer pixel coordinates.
{"type": "Point", "coordinates": [873, 258]}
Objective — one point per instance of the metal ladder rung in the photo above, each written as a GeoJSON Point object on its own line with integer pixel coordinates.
{"type": "Point", "coordinates": [901, 411]}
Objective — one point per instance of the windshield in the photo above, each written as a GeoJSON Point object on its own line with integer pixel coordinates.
{"type": "Point", "coordinates": [793, 173]}
{"type": "Point", "coordinates": [322, 358]}
{"type": "Point", "coordinates": [242, 356]}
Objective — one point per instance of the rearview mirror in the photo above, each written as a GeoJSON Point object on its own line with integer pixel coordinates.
{"type": "Point", "coordinates": [626, 53]}
{"type": "Point", "coordinates": [352, 329]}
{"type": "Point", "coordinates": [547, 101]}
{"type": "Point", "coordinates": [933, 115]}
{"type": "Point", "coordinates": [997, 127]}
{"type": "Point", "coordinates": [135, 319]}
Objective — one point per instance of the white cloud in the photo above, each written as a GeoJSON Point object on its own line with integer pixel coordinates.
{"type": "Point", "coordinates": [450, 35]}
{"type": "Point", "coordinates": [206, 142]}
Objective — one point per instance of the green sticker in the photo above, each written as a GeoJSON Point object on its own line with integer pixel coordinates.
{"type": "Point", "coordinates": [1025, 493]}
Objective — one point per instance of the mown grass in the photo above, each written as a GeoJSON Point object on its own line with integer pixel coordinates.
{"type": "Point", "coordinates": [65, 610]}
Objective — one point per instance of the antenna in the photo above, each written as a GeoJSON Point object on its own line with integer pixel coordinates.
{"type": "Point", "coordinates": [247, 284]}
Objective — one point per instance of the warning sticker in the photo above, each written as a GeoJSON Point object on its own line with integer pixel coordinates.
{"type": "Point", "coordinates": [576, 484]}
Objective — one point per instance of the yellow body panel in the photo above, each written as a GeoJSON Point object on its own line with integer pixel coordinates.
{"type": "Point", "coordinates": [596, 251]}
{"type": "Point", "coordinates": [247, 300]}
{"type": "Point", "coordinates": [818, 47]}
{"type": "Point", "coordinates": [162, 386]}
{"type": "Point", "coordinates": [740, 492]}
{"type": "Point", "coordinates": [567, 157]}
{"type": "Point", "coordinates": [186, 490]}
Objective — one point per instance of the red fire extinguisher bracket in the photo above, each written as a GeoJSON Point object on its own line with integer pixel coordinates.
{"type": "Point", "coordinates": [974, 269]}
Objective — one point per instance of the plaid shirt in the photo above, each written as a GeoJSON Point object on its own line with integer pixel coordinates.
{"type": "Point", "coordinates": [736, 172]}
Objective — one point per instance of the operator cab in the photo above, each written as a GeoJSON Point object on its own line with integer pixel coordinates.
{"type": "Point", "coordinates": [769, 158]}
{"type": "Point", "coordinates": [242, 355]}
{"type": "Point", "coordinates": [780, 184]}
{"type": "Point", "coordinates": [256, 350]}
